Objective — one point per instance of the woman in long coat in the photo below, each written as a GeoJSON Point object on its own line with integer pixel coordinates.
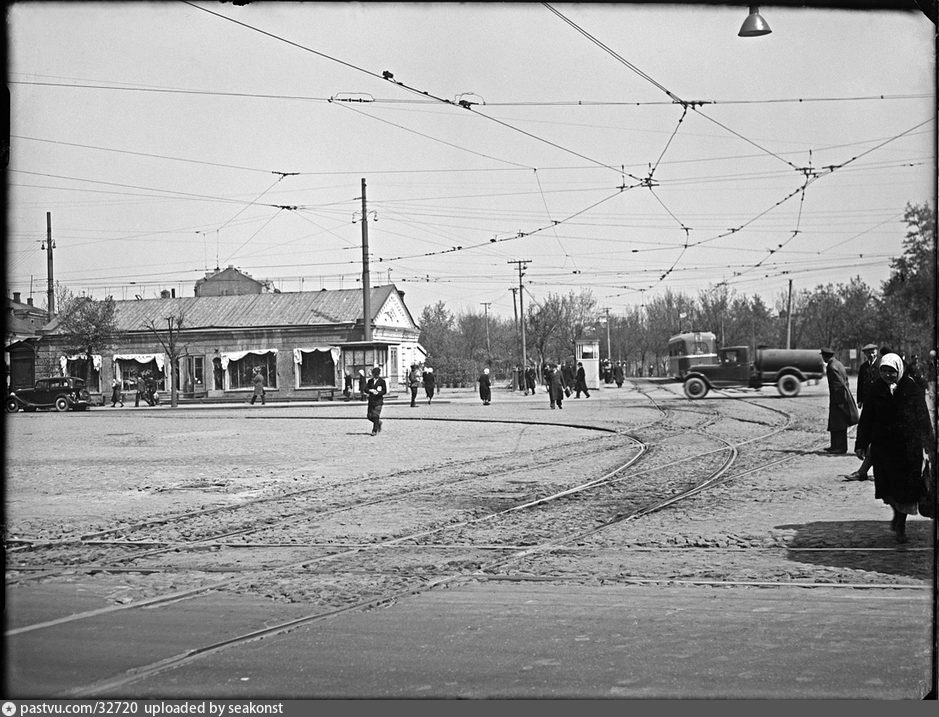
{"type": "Point", "coordinates": [895, 430]}
{"type": "Point", "coordinates": [485, 387]}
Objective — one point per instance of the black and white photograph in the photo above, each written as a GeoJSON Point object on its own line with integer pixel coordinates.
{"type": "Point", "coordinates": [446, 351]}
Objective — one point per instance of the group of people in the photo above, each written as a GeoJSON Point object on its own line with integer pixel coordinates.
{"type": "Point", "coordinates": [612, 372]}
{"type": "Point", "coordinates": [146, 389]}
{"type": "Point", "coordinates": [895, 436]}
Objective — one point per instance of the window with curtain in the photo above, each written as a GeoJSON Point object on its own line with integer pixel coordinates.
{"type": "Point", "coordinates": [240, 372]}
{"type": "Point", "coordinates": [317, 369]}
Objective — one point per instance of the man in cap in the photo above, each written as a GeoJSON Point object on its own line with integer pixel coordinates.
{"type": "Point", "coordinates": [866, 375]}
{"type": "Point", "coordinates": [842, 410]}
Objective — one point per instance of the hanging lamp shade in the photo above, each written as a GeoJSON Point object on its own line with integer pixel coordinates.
{"type": "Point", "coordinates": [754, 25]}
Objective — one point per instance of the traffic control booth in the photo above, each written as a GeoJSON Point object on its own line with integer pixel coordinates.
{"type": "Point", "coordinates": [587, 352]}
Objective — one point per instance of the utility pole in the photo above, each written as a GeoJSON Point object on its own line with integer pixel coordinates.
{"type": "Point", "coordinates": [609, 346]}
{"type": "Point", "coordinates": [789, 318]}
{"type": "Point", "coordinates": [366, 289]}
{"type": "Point", "coordinates": [486, 306]}
{"type": "Point", "coordinates": [522, 264]}
{"type": "Point", "coordinates": [50, 286]}
{"type": "Point", "coordinates": [518, 353]}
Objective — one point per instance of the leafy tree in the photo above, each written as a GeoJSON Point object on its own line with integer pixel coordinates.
{"type": "Point", "coordinates": [909, 295]}
{"type": "Point", "coordinates": [437, 332]}
{"type": "Point", "coordinates": [88, 326]}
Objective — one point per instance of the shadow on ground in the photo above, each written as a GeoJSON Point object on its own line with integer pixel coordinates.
{"type": "Point", "coordinates": [866, 545]}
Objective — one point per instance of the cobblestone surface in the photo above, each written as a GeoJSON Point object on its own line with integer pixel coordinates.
{"type": "Point", "coordinates": [792, 521]}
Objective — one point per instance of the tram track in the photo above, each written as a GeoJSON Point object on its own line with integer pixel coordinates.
{"type": "Point", "coordinates": [661, 447]}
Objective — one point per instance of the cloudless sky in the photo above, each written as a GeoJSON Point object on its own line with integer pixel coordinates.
{"type": "Point", "coordinates": [622, 148]}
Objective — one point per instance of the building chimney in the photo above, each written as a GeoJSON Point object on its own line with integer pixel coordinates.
{"type": "Point", "coordinates": [16, 297]}
{"type": "Point", "coordinates": [30, 301]}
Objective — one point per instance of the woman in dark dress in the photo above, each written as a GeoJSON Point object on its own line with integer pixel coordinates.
{"type": "Point", "coordinates": [895, 428]}
{"type": "Point", "coordinates": [485, 387]}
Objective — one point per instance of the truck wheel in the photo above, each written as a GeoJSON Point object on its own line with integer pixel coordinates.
{"type": "Point", "coordinates": [695, 387]}
{"type": "Point", "coordinates": [61, 403]}
{"type": "Point", "coordinates": [788, 386]}
{"type": "Point", "coordinates": [12, 405]}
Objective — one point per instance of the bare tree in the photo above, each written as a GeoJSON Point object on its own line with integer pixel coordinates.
{"type": "Point", "coordinates": [169, 339]}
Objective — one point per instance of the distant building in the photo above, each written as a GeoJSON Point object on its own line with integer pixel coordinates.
{"type": "Point", "coordinates": [23, 323]}
{"type": "Point", "coordinates": [230, 282]}
{"type": "Point", "coordinates": [303, 342]}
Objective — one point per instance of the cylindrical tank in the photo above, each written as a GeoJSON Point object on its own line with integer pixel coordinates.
{"type": "Point", "coordinates": [808, 361]}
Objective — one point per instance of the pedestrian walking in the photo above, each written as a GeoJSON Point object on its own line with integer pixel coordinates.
{"type": "Point", "coordinates": [363, 388]}
{"type": "Point", "coordinates": [568, 374]}
{"type": "Point", "coordinates": [258, 380]}
{"type": "Point", "coordinates": [619, 374]}
{"type": "Point", "coordinates": [430, 383]}
{"type": "Point", "coordinates": [867, 374]}
{"type": "Point", "coordinates": [842, 410]}
{"type": "Point", "coordinates": [580, 382]}
{"type": "Point", "coordinates": [414, 383]}
{"type": "Point", "coordinates": [151, 389]}
{"type": "Point", "coordinates": [556, 385]}
{"type": "Point", "coordinates": [116, 395]}
{"type": "Point", "coordinates": [141, 391]}
{"type": "Point", "coordinates": [485, 387]}
{"type": "Point", "coordinates": [530, 379]}
{"type": "Point", "coordinates": [375, 389]}
{"type": "Point", "coordinates": [896, 430]}
{"type": "Point", "coordinates": [347, 385]}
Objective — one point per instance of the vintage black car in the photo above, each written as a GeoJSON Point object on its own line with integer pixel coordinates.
{"type": "Point", "coordinates": [59, 392]}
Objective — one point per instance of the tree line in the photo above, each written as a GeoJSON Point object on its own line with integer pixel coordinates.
{"type": "Point", "coordinates": [900, 314]}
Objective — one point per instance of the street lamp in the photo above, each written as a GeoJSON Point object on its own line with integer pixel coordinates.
{"type": "Point", "coordinates": [754, 25]}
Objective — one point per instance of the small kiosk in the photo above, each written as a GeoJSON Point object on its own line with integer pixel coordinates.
{"type": "Point", "coordinates": [587, 352]}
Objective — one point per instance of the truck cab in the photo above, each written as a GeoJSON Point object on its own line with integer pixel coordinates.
{"type": "Point", "coordinates": [733, 368]}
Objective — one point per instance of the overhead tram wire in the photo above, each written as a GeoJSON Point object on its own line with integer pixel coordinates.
{"type": "Point", "coordinates": [675, 98]}
{"type": "Point", "coordinates": [399, 101]}
{"type": "Point", "coordinates": [433, 139]}
{"type": "Point", "coordinates": [388, 77]}
{"type": "Point", "coordinates": [141, 154]}
{"type": "Point", "coordinates": [518, 235]}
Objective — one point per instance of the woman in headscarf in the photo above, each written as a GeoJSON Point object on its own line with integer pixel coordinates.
{"type": "Point", "coordinates": [895, 428]}
{"type": "Point", "coordinates": [485, 387]}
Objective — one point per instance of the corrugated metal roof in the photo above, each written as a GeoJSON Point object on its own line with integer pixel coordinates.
{"type": "Point", "coordinates": [301, 308]}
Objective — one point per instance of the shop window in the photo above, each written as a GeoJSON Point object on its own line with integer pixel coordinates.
{"type": "Point", "coordinates": [241, 372]}
{"type": "Point", "coordinates": [128, 370]}
{"type": "Point", "coordinates": [317, 369]}
{"type": "Point", "coordinates": [78, 367]}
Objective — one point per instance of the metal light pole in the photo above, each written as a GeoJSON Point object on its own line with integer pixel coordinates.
{"type": "Point", "coordinates": [486, 306]}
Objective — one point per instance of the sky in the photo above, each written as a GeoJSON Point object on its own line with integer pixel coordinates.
{"type": "Point", "coordinates": [622, 148]}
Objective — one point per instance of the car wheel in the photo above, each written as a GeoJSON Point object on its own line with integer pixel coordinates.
{"type": "Point", "coordinates": [12, 405]}
{"type": "Point", "coordinates": [61, 403]}
{"type": "Point", "coordinates": [788, 386]}
{"type": "Point", "coordinates": [695, 387]}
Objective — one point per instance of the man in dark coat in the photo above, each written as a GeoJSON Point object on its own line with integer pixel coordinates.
{"type": "Point", "coordinates": [842, 410]}
{"type": "Point", "coordinates": [619, 374]}
{"type": "Point", "coordinates": [530, 380]}
{"type": "Point", "coordinates": [580, 383]}
{"type": "Point", "coordinates": [555, 383]}
{"type": "Point", "coordinates": [866, 373]}
{"type": "Point", "coordinates": [375, 388]}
